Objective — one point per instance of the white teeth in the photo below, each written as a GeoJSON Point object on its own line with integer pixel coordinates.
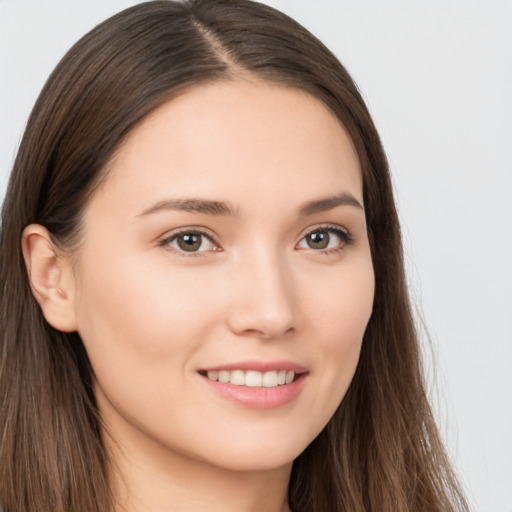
{"type": "Point", "coordinates": [238, 378]}
{"type": "Point", "coordinates": [213, 375]}
{"type": "Point", "coordinates": [224, 377]}
{"type": "Point", "coordinates": [252, 378]}
{"type": "Point", "coordinates": [270, 380]}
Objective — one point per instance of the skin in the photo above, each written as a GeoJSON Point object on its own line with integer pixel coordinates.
{"type": "Point", "coordinates": [152, 316]}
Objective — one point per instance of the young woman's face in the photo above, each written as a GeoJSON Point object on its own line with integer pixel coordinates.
{"type": "Point", "coordinates": [227, 245]}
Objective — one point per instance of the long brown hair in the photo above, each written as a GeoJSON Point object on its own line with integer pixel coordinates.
{"type": "Point", "coordinates": [381, 451]}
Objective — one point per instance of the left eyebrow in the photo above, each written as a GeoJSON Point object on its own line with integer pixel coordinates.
{"type": "Point", "coordinates": [328, 203]}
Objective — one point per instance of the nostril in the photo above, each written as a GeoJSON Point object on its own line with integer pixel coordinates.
{"type": "Point", "coordinates": [267, 334]}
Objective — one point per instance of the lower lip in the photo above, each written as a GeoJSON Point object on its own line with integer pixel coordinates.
{"type": "Point", "coordinates": [259, 397]}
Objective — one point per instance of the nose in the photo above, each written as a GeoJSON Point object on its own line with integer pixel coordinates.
{"type": "Point", "coordinates": [262, 298]}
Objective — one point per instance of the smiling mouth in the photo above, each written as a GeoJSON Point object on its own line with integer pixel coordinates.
{"type": "Point", "coordinates": [252, 378]}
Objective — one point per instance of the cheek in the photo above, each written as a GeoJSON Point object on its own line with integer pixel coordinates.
{"type": "Point", "coordinates": [137, 304]}
{"type": "Point", "coordinates": [341, 314]}
{"type": "Point", "coordinates": [141, 330]}
{"type": "Point", "coordinates": [341, 307]}
{"type": "Point", "coordinates": [139, 323]}
{"type": "Point", "coordinates": [354, 304]}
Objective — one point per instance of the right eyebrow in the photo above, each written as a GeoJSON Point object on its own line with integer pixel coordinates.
{"type": "Point", "coordinates": [196, 205]}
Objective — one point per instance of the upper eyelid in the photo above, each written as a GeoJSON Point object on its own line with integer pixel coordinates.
{"type": "Point", "coordinates": [344, 234]}
{"type": "Point", "coordinates": [213, 238]}
{"type": "Point", "coordinates": [180, 231]}
{"type": "Point", "coordinates": [326, 227]}
{"type": "Point", "coordinates": [165, 242]}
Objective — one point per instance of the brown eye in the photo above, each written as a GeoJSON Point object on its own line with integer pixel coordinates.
{"type": "Point", "coordinates": [325, 239]}
{"type": "Point", "coordinates": [191, 241]}
{"type": "Point", "coordinates": [318, 240]}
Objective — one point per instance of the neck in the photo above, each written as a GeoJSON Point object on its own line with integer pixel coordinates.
{"type": "Point", "coordinates": [153, 479]}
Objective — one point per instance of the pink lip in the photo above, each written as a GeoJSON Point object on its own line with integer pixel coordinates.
{"type": "Point", "coordinates": [258, 397]}
{"type": "Point", "coordinates": [258, 366]}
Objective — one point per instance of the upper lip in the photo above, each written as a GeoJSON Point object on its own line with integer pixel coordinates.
{"type": "Point", "coordinates": [258, 366]}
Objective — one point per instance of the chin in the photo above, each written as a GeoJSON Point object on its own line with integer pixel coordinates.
{"type": "Point", "coordinates": [263, 455]}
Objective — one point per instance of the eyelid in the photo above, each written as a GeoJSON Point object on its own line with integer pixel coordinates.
{"type": "Point", "coordinates": [324, 226]}
{"type": "Point", "coordinates": [340, 231]}
{"type": "Point", "coordinates": [166, 239]}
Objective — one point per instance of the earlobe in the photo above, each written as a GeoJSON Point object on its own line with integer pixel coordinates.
{"type": "Point", "coordinates": [51, 278]}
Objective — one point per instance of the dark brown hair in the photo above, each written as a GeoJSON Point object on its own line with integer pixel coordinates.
{"type": "Point", "coordinates": [381, 451]}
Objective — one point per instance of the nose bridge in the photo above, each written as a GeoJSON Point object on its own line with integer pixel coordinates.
{"type": "Point", "coordinates": [263, 295]}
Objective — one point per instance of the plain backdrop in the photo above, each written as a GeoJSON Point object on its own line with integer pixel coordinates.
{"type": "Point", "coordinates": [437, 76]}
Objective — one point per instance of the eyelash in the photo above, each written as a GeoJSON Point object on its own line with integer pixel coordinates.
{"type": "Point", "coordinates": [344, 236]}
{"type": "Point", "coordinates": [190, 231]}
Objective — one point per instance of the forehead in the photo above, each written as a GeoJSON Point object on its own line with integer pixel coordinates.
{"type": "Point", "coordinates": [224, 139]}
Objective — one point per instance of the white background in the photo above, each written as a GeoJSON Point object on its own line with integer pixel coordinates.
{"type": "Point", "coordinates": [437, 76]}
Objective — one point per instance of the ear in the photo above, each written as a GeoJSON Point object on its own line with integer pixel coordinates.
{"type": "Point", "coordinates": [51, 278]}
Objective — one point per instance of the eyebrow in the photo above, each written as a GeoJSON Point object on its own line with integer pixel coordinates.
{"type": "Point", "coordinates": [205, 206]}
{"type": "Point", "coordinates": [220, 208]}
{"type": "Point", "coordinates": [328, 203]}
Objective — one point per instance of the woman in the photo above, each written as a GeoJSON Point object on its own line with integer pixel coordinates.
{"type": "Point", "coordinates": [203, 300]}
